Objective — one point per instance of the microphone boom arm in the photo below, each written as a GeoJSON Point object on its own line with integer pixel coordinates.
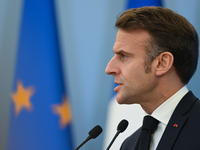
{"type": "Point", "coordinates": [87, 139]}
{"type": "Point", "coordinates": [118, 132]}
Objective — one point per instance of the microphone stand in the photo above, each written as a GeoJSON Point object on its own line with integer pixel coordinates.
{"type": "Point", "coordinates": [118, 132]}
{"type": "Point", "coordinates": [87, 139]}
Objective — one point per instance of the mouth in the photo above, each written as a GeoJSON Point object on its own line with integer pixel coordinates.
{"type": "Point", "coordinates": [118, 86]}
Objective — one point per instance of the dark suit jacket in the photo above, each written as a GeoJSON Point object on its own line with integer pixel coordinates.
{"type": "Point", "coordinates": [186, 136]}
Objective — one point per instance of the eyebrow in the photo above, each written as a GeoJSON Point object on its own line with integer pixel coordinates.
{"type": "Point", "coordinates": [121, 52]}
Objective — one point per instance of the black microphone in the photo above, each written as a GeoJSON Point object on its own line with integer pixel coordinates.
{"type": "Point", "coordinates": [120, 128]}
{"type": "Point", "coordinates": [96, 131]}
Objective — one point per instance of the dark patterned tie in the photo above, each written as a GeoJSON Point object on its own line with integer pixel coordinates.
{"type": "Point", "coordinates": [148, 127]}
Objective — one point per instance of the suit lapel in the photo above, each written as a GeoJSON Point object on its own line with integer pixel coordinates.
{"type": "Point", "coordinates": [171, 132]}
{"type": "Point", "coordinates": [176, 122]}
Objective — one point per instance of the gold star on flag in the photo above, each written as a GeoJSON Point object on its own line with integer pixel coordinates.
{"type": "Point", "coordinates": [63, 111]}
{"type": "Point", "coordinates": [21, 98]}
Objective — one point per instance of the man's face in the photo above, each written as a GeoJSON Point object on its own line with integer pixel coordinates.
{"type": "Point", "coordinates": [128, 67]}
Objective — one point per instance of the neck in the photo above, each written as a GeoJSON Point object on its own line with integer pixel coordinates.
{"type": "Point", "coordinates": [160, 96]}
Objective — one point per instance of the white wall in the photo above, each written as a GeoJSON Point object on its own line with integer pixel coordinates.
{"type": "Point", "coordinates": [9, 24]}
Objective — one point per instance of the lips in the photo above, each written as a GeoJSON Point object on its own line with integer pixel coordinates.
{"type": "Point", "coordinates": [117, 87]}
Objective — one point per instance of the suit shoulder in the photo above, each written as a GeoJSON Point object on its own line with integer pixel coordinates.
{"type": "Point", "coordinates": [131, 141]}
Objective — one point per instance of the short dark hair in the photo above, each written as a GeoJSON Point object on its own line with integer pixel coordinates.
{"type": "Point", "coordinates": [170, 32]}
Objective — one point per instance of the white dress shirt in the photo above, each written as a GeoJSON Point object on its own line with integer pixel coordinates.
{"type": "Point", "coordinates": [163, 114]}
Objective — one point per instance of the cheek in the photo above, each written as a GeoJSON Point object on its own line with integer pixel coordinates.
{"type": "Point", "coordinates": [137, 78]}
{"type": "Point", "coordinates": [134, 73]}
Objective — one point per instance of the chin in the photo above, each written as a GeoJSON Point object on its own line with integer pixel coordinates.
{"type": "Point", "coordinates": [125, 100]}
{"type": "Point", "coordinates": [119, 100]}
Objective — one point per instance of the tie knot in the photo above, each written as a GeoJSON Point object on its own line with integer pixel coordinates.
{"type": "Point", "coordinates": [150, 123]}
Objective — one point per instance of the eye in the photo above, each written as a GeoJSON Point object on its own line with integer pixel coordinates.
{"type": "Point", "coordinates": [123, 56]}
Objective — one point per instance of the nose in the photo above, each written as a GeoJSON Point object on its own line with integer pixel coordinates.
{"type": "Point", "coordinates": [112, 67]}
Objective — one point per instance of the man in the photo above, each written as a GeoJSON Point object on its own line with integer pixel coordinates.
{"type": "Point", "coordinates": [156, 54]}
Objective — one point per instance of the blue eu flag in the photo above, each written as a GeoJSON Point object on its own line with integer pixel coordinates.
{"type": "Point", "coordinates": [40, 113]}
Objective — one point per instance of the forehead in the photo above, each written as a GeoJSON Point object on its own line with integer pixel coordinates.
{"type": "Point", "coordinates": [126, 40]}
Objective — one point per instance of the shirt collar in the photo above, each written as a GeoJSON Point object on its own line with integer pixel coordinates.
{"type": "Point", "coordinates": [165, 110]}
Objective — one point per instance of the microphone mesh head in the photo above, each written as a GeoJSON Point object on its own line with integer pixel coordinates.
{"type": "Point", "coordinates": [95, 131]}
{"type": "Point", "coordinates": [122, 125]}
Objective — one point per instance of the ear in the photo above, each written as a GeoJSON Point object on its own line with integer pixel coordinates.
{"type": "Point", "coordinates": [164, 63]}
